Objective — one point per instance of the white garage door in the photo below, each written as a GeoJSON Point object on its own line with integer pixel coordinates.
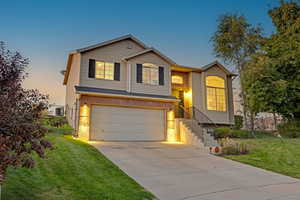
{"type": "Point", "coordinates": [127, 124]}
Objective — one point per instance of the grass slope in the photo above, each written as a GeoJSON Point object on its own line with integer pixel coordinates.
{"type": "Point", "coordinates": [272, 154]}
{"type": "Point", "coordinates": [73, 170]}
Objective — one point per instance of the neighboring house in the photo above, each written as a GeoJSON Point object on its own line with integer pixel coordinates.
{"type": "Point", "coordinates": [122, 90]}
{"type": "Point", "coordinates": [56, 110]}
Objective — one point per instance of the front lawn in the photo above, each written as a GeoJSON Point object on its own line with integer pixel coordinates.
{"type": "Point", "coordinates": [73, 170]}
{"type": "Point", "coordinates": [272, 154]}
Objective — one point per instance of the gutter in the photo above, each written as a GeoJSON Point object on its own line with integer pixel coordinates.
{"type": "Point", "coordinates": [127, 96]}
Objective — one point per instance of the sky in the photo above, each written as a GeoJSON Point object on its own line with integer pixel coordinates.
{"type": "Point", "coordinates": [46, 31]}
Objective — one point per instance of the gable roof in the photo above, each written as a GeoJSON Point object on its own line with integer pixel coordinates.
{"type": "Point", "coordinates": [150, 50]}
{"type": "Point", "coordinates": [216, 63]}
{"type": "Point", "coordinates": [92, 47]}
{"type": "Point", "coordinates": [125, 37]}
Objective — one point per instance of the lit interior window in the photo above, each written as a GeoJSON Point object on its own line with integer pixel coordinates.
{"type": "Point", "coordinates": [104, 70]}
{"type": "Point", "coordinates": [215, 91]}
{"type": "Point", "coordinates": [177, 79]}
{"type": "Point", "coordinates": [150, 74]}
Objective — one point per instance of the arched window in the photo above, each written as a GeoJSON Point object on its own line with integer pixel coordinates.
{"type": "Point", "coordinates": [215, 92]}
{"type": "Point", "coordinates": [177, 79]}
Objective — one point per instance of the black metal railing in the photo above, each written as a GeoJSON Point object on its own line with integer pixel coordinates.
{"type": "Point", "coordinates": [198, 120]}
{"type": "Point", "coordinates": [202, 118]}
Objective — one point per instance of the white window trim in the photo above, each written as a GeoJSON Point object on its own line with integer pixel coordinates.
{"type": "Point", "coordinates": [106, 79]}
{"type": "Point", "coordinates": [151, 66]}
{"type": "Point", "coordinates": [225, 99]}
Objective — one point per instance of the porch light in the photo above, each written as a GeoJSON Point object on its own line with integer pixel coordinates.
{"type": "Point", "coordinates": [188, 94]}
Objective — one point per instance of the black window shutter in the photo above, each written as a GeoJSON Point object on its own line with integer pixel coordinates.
{"type": "Point", "coordinates": [117, 72]}
{"type": "Point", "coordinates": [161, 76]}
{"type": "Point", "coordinates": [139, 73]}
{"type": "Point", "coordinates": [91, 68]}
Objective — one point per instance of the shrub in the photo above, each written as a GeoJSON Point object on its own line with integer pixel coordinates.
{"type": "Point", "coordinates": [232, 147]}
{"type": "Point", "coordinates": [290, 129]}
{"type": "Point", "coordinates": [238, 122]}
{"type": "Point", "coordinates": [55, 121]}
{"type": "Point", "coordinates": [222, 132]}
{"type": "Point", "coordinates": [65, 129]}
{"type": "Point", "coordinates": [240, 134]}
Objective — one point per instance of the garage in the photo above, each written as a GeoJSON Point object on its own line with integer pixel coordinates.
{"type": "Point", "coordinates": [112, 123]}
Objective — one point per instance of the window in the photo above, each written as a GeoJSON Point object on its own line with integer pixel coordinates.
{"type": "Point", "coordinates": [177, 79]}
{"type": "Point", "coordinates": [150, 74]}
{"type": "Point", "coordinates": [215, 91]}
{"type": "Point", "coordinates": [104, 70]}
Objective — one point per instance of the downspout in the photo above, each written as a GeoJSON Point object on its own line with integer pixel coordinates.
{"type": "Point", "coordinates": [128, 77]}
{"type": "Point", "coordinates": [75, 134]}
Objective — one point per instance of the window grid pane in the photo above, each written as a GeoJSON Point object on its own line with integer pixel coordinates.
{"type": "Point", "coordinates": [146, 75]}
{"type": "Point", "coordinates": [109, 71]}
{"type": "Point", "coordinates": [215, 81]}
{"type": "Point", "coordinates": [99, 69]}
{"type": "Point", "coordinates": [104, 70]}
{"type": "Point", "coordinates": [221, 104]}
{"type": "Point", "coordinates": [211, 99]}
{"type": "Point", "coordinates": [150, 74]}
{"type": "Point", "coordinates": [154, 76]}
{"type": "Point", "coordinates": [177, 79]}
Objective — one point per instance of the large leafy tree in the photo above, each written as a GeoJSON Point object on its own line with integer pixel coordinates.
{"type": "Point", "coordinates": [273, 75]}
{"type": "Point", "coordinates": [235, 41]}
{"type": "Point", "coordinates": [21, 132]}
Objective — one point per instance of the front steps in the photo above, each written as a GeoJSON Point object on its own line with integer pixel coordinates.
{"type": "Point", "coordinates": [193, 133]}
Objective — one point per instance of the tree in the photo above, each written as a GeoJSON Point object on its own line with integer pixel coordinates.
{"type": "Point", "coordinates": [273, 74]}
{"type": "Point", "coordinates": [21, 132]}
{"type": "Point", "coordinates": [235, 41]}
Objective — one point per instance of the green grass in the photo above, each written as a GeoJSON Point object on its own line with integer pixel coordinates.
{"type": "Point", "coordinates": [272, 154]}
{"type": "Point", "coordinates": [72, 170]}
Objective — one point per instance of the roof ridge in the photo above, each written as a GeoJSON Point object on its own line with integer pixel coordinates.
{"type": "Point", "coordinates": [107, 42]}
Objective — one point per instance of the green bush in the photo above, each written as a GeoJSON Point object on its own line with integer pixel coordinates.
{"type": "Point", "coordinates": [290, 129]}
{"type": "Point", "coordinates": [65, 129]}
{"type": "Point", "coordinates": [232, 133]}
{"type": "Point", "coordinates": [222, 132]}
{"type": "Point", "coordinates": [238, 122]}
{"type": "Point", "coordinates": [55, 121]}
{"type": "Point", "coordinates": [241, 134]}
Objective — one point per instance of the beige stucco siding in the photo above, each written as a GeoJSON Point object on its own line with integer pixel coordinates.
{"type": "Point", "coordinates": [216, 116]}
{"type": "Point", "coordinates": [111, 53]}
{"type": "Point", "coordinates": [70, 89]}
{"type": "Point", "coordinates": [146, 88]}
{"type": "Point", "coordinates": [199, 99]}
{"type": "Point", "coordinates": [197, 91]}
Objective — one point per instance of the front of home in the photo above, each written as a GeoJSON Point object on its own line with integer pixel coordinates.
{"type": "Point", "coordinates": [122, 90]}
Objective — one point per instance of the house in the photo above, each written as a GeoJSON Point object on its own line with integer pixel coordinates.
{"type": "Point", "coordinates": [56, 110]}
{"type": "Point", "coordinates": [123, 90]}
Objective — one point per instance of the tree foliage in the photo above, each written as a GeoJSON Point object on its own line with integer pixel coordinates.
{"type": "Point", "coordinates": [21, 132]}
{"type": "Point", "coordinates": [272, 78]}
{"type": "Point", "coordinates": [235, 41]}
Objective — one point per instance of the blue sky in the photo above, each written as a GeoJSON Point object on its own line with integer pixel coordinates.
{"type": "Point", "coordinates": [46, 31]}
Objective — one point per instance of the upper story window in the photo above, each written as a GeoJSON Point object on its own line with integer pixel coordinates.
{"type": "Point", "coordinates": [215, 91]}
{"type": "Point", "coordinates": [150, 74]}
{"type": "Point", "coordinates": [177, 79]}
{"type": "Point", "coordinates": [104, 70]}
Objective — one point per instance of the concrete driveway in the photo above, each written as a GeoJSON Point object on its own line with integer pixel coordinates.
{"type": "Point", "coordinates": [177, 171]}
